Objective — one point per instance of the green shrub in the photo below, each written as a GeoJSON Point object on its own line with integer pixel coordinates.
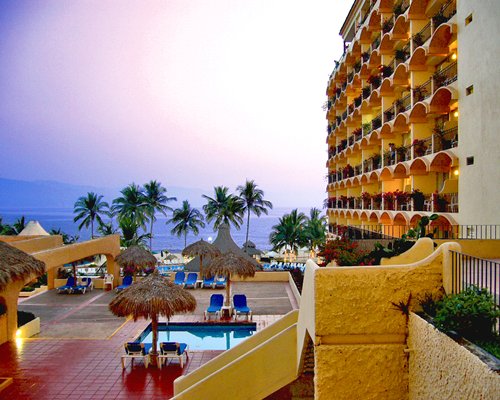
{"type": "Point", "coordinates": [23, 317]}
{"type": "Point", "coordinates": [28, 289]}
{"type": "Point", "coordinates": [471, 313]}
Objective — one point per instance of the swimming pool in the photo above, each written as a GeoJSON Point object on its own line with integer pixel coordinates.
{"type": "Point", "coordinates": [201, 336]}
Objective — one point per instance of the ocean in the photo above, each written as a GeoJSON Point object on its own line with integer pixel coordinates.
{"type": "Point", "coordinates": [55, 218]}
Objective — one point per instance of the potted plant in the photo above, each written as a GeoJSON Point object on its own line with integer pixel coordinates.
{"type": "Point", "coordinates": [377, 200]}
{"type": "Point", "coordinates": [441, 135]}
{"type": "Point", "coordinates": [419, 147]}
{"type": "Point", "coordinates": [388, 200]}
{"type": "Point", "coordinates": [401, 152]}
{"type": "Point", "coordinates": [374, 80]}
{"type": "Point", "coordinates": [439, 79]}
{"type": "Point", "coordinates": [439, 202]}
{"type": "Point", "coordinates": [439, 18]}
{"type": "Point", "coordinates": [386, 70]}
{"type": "Point", "coordinates": [348, 171]}
{"type": "Point", "coordinates": [401, 54]}
{"type": "Point", "coordinates": [418, 200]}
{"type": "Point", "coordinates": [343, 201]}
{"type": "Point", "coordinates": [366, 199]}
{"type": "Point", "coordinates": [387, 25]}
{"type": "Point", "coordinates": [400, 105]}
{"type": "Point", "coordinates": [357, 133]}
{"type": "Point", "coordinates": [389, 115]}
{"type": "Point", "coordinates": [376, 123]}
{"type": "Point", "coordinates": [418, 40]}
{"type": "Point", "coordinates": [376, 160]}
{"type": "Point", "coordinates": [419, 94]}
{"type": "Point", "coordinates": [401, 198]}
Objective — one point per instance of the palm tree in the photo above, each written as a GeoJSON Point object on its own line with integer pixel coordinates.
{"type": "Point", "coordinates": [89, 209]}
{"type": "Point", "coordinates": [253, 202]}
{"type": "Point", "coordinates": [186, 219]}
{"type": "Point", "coordinates": [66, 238]}
{"type": "Point", "coordinates": [130, 233]}
{"type": "Point", "coordinates": [14, 229]}
{"type": "Point", "coordinates": [19, 225]}
{"type": "Point", "coordinates": [315, 229]}
{"type": "Point", "coordinates": [224, 208]}
{"type": "Point", "coordinates": [156, 200]}
{"type": "Point", "coordinates": [131, 204]}
{"type": "Point", "coordinates": [106, 229]}
{"type": "Point", "coordinates": [289, 232]}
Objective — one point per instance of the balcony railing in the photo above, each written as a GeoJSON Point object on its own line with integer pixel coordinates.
{"type": "Point", "coordinates": [358, 170]}
{"type": "Point", "coordinates": [344, 115]}
{"type": "Point", "coordinates": [423, 36]}
{"type": "Point", "coordinates": [366, 91]}
{"type": "Point", "coordinates": [367, 129]}
{"type": "Point", "coordinates": [375, 44]}
{"type": "Point", "coordinates": [376, 122]}
{"type": "Point", "coordinates": [445, 76]}
{"type": "Point", "coordinates": [443, 140]}
{"type": "Point", "coordinates": [444, 14]}
{"type": "Point", "coordinates": [421, 92]}
{"type": "Point", "coordinates": [401, 7]}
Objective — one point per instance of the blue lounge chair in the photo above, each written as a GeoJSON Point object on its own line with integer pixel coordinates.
{"type": "Point", "coordinates": [240, 306]}
{"type": "Point", "coordinates": [191, 280]}
{"type": "Point", "coordinates": [135, 350]}
{"type": "Point", "coordinates": [216, 302]}
{"type": "Point", "coordinates": [70, 283]}
{"type": "Point", "coordinates": [127, 281]}
{"type": "Point", "coordinates": [220, 283]}
{"type": "Point", "coordinates": [179, 278]}
{"type": "Point", "coordinates": [87, 286]}
{"type": "Point", "coordinates": [172, 350]}
{"type": "Point", "coordinates": [208, 282]}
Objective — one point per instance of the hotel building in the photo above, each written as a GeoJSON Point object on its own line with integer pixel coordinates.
{"type": "Point", "coordinates": [412, 127]}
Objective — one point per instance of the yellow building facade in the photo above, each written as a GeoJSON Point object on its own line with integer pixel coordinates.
{"type": "Point", "coordinates": [408, 131]}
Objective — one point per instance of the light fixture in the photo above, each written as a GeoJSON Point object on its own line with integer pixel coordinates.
{"type": "Point", "coordinates": [18, 333]}
{"type": "Point", "coordinates": [456, 173]}
{"type": "Point", "coordinates": [454, 56]}
{"type": "Point", "coordinates": [455, 114]}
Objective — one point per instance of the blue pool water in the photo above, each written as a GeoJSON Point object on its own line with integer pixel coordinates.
{"type": "Point", "coordinates": [201, 336]}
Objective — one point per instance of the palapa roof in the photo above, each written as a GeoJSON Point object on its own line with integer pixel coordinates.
{"type": "Point", "coordinates": [251, 249]}
{"type": "Point", "coordinates": [153, 295]}
{"type": "Point", "coordinates": [17, 265]}
{"type": "Point", "coordinates": [201, 248]}
{"type": "Point", "coordinates": [136, 256]}
{"type": "Point", "coordinates": [229, 264]}
{"type": "Point", "coordinates": [224, 242]}
{"type": "Point", "coordinates": [33, 228]}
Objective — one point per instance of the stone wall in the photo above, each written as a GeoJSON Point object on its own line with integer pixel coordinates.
{"type": "Point", "coordinates": [440, 368]}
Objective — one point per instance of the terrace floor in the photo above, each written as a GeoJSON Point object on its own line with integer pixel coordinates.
{"type": "Point", "coordinates": [77, 353]}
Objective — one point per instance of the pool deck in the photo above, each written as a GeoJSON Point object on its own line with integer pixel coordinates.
{"type": "Point", "coordinates": [77, 353]}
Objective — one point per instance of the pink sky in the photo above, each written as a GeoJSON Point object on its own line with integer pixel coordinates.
{"type": "Point", "coordinates": [192, 93]}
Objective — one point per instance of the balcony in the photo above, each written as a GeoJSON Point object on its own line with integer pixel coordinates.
{"type": "Point", "coordinates": [445, 76]}
{"type": "Point", "coordinates": [445, 13]}
{"type": "Point", "coordinates": [423, 36]}
{"type": "Point", "coordinates": [375, 44]}
{"type": "Point", "coordinates": [376, 122]}
{"type": "Point", "coordinates": [441, 140]}
{"type": "Point", "coordinates": [420, 93]}
{"type": "Point", "coordinates": [400, 7]}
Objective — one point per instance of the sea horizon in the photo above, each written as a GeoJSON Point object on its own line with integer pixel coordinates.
{"type": "Point", "coordinates": [62, 218]}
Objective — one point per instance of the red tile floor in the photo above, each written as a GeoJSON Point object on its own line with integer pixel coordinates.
{"type": "Point", "coordinates": [62, 368]}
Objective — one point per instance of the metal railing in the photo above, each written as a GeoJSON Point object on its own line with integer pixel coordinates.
{"type": "Point", "coordinates": [443, 232]}
{"type": "Point", "coordinates": [423, 36]}
{"type": "Point", "coordinates": [445, 76]}
{"type": "Point", "coordinates": [421, 92]}
{"type": "Point", "coordinates": [468, 270]}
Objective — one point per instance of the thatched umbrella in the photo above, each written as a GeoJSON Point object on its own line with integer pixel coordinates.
{"type": "Point", "coordinates": [201, 248]}
{"type": "Point", "coordinates": [152, 297]}
{"type": "Point", "coordinates": [229, 264]}
{"type": "Point", "coordinates": [136, 258]}
{"type": "Point", "coordinates": [16, 265]}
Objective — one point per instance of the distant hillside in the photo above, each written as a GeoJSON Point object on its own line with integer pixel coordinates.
{"type": "Point", "coordinates": [51, 194]}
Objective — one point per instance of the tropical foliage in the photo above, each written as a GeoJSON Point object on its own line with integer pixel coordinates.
{"type": "Point", "coordinates": [14, 229]}
{"type": "Point", "coordinates": [224, 208]}
{"type": "Point", "coordinates": [186, 219]}
{"type": "Point", "coordinates": [66, 238]}
{"type": "Point", "coordinates": [315, 229]}
{"type": "Point", "coordinates": [156, 200]}
{"type": "Point", "coordinates": [130, 233]}
{"type": "Point", "coordinates": [89, 209]}
{"type": "Point", "coordinates": [131, 205]}
{"type": "Point", "coordinates": [253, 202]}
{"type": "Point", "coordinates": [289, 233]}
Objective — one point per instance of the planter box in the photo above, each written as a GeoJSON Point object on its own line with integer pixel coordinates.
{"type": "Point", "coordinates": [36, 291]}
{"type": "Point", "coordinates": [30, 329]}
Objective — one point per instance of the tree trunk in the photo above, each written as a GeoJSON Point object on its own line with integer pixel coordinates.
{"type": "Point", "coordinates": [154, 328]}
{"type": "Point", "coordinates": [201, 267]}
{"type": "Point", "coordinates": [185, 239]}
{"type": "Point", "coordinates": [151, 236]}
{"type": "Point", "coordinates": [228, 290]}
{"type": "Point", "coordinates": [92, 229]}
{"type": "Point", "coordinates": [248, 228]}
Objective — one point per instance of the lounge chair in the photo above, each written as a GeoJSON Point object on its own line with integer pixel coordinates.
{"type": "Point", "coordinates": [179, 278]}
{"type": "Point", "coordinates": [208, 282]}
{"type": "Point", "coordinates": [191, 280]}
{"type": "Point", "coordinates": [220, 283]}
{"type": "Point", "coordinates": [70, 283]}
{"type": "Point", "coordinates": [135, 350]}
{"type": "Point", "coordinates": [240, 306]}
{"type": "Point", "coordinates": [216, 302]}
{"type": "Point", "coordinates": [127, 281]}
{"type": "Point", "coordinates": [87, 285]}
{"type": "Point", "coordinates": [172, 350]}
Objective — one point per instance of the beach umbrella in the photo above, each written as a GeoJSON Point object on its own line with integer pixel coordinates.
{"type": "Point", "coordinates": [150, 298]}
{"type": "Point", "coordinates": [231, 264]}
{"type": "Point", "coordinates": [16, 265]}
{"type": "Point", "coordinates": [201, 249]}
{"type": "Point", "coordinates": [136, 258]}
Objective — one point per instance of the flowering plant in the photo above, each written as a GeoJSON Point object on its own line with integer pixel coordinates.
{"type": "Point", "coordinates": [419, 147]}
